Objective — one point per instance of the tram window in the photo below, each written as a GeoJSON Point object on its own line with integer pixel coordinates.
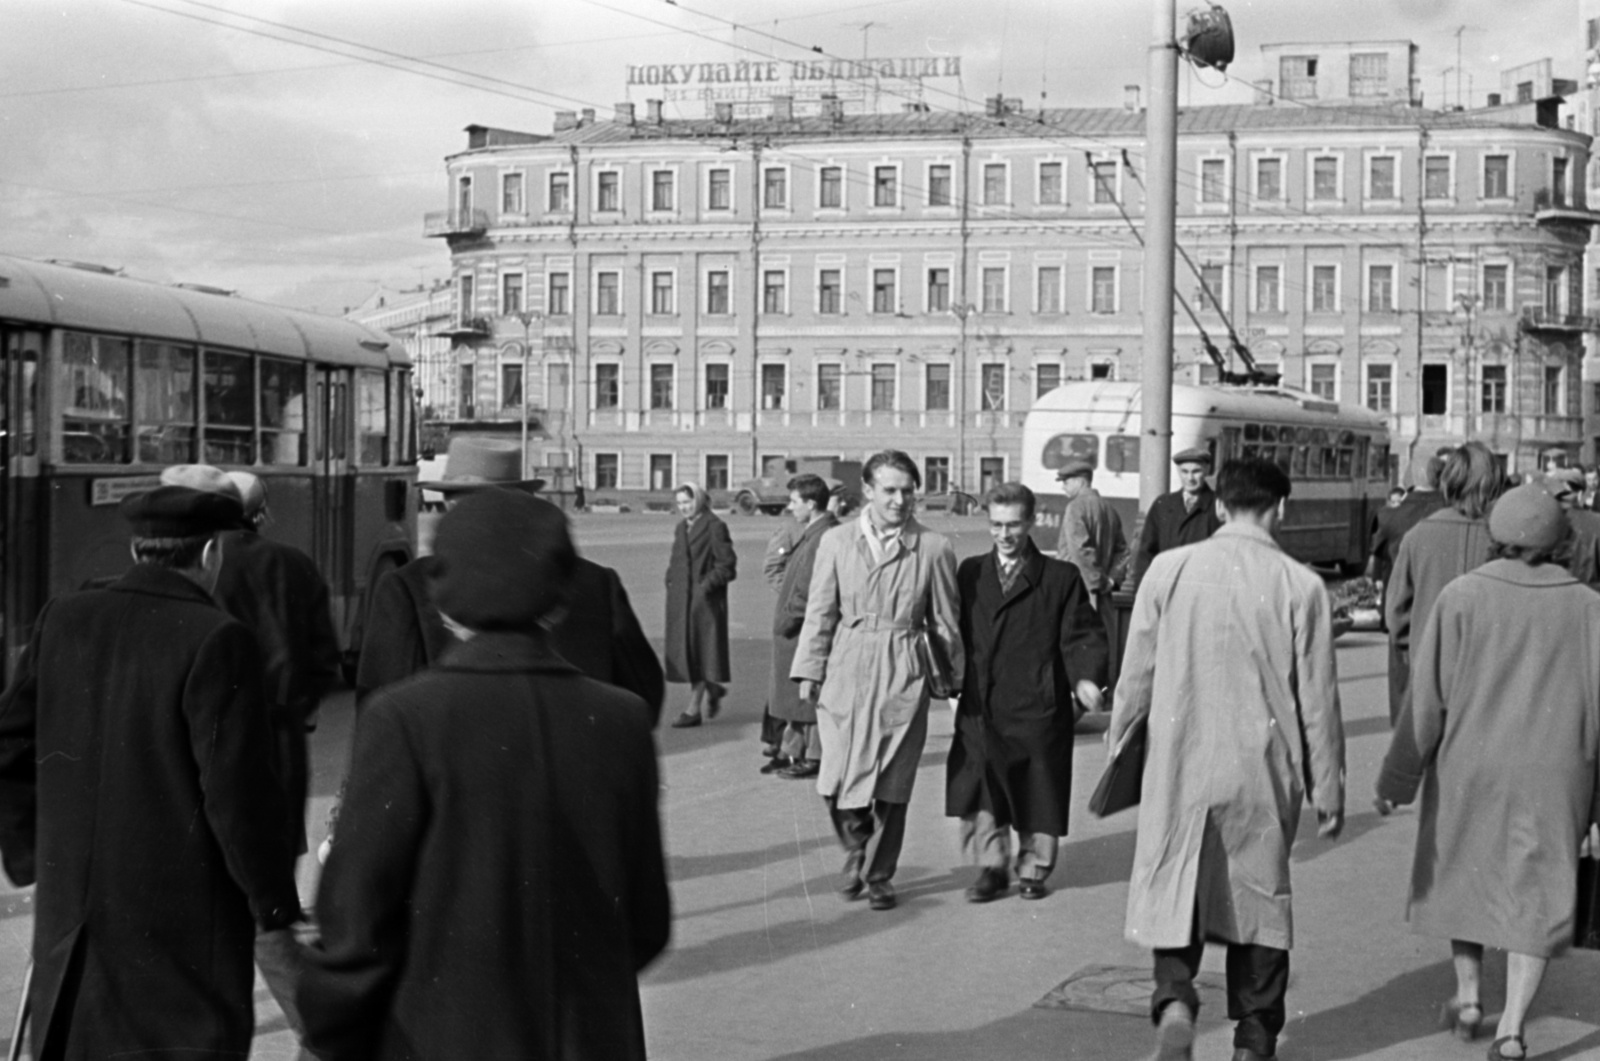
{"type": "Point", "coordinates": [1378, 463]}
{"type": "Point", "coordinates": [163, 393]}
{"type": "Point", "coordinates": [1269, 432]}
{"type": "Point", "coordinates": [1286, 458]}
{"type": "Point", "coordinates": [1249, 451]}
{"type": "Point", "coordinates": [372, 419]}
{"type": "Point", "coordinates": [1298, 469]}
{"type": "Point", "coordinates": [1252, 432]}
{"type": "Point", "coordinates": [22, 349]}
{"type": "Point", "coordinates": [94, 396]}
{"type": "Point", "coordinates": [1063, 448]}
{"type": "Point", "coordinates": [230, 413]}
{"type": "Point", "coordinates": [400, 440]}
{"type": "Point", "coordinates": [1122, 453]}
{"type": "Point", "coordinates": [1347, 462]}
{"type": "Point", "coordinates": [1330, 462]}
{"type": "Point", "coordinates": [283, 412]}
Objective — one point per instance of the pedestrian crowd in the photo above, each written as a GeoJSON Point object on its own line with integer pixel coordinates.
{"type": "Point", "coordinates": [494, 881]}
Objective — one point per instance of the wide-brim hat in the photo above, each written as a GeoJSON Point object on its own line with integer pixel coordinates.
{"type": "Point", "coordinates": [482, 464]}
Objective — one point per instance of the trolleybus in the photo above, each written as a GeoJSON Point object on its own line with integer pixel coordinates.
{"type": "Point", "coordinates": [105, 380]}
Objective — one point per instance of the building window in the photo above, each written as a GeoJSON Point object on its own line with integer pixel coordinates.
{"type": "Point", "coordinates": [936, 475]}
{"type": "Point", "coordinates": [1103, 181]}
{"type": "Point", "coordinates": [1213, 180]}
{"type": "Point", "coordinates": [992, 385]}
{"type": "Point", "coordinates": [1103, 370]}
{"type": "Point", "coordinates": [716, 471]}
{"type": "Point", "coordinates": [465, 299]}
{"type": "Point", "coordinates": [607, 385]}
{"type": "Point", "coordinates": [558, 294]}
{"type": "Point", "coordinates": [938, 290]}
{"type": "Point", "coordinates": [1495, 286]}
{"type": "Point", "coordinates": [994, 290]}
{"type": "Point", "coordinates": [1494, 389]}
{"type": "Point", "coordinates": [829, 291]}
{"type": "Point", "coordinates": [1046, 378]}
{"type": "Point", "coordinates": [559, 199]}
{"type": "Point", "coordinates": [1553, 405]}
{"type": "Point", "coordinates": [716, 385]}
{"type": "Point", "coordinates": [775, 188]}
{"type": "Point", "coordinates": [883, 293]}
{"type": "Point", "coordinates": [510, 294]}
{"type": "Point", "coordinates": [510, 386]}
{"type": "Point", "coordinates": [605, 471]}
{"type": "Point", "coordinates": [830, 188]}
{"type": "Point", "coordinates": [1103, 289]}
{"type": "Point", "coordinates": [994, 184]}
{"type": "Point", "coordinates": [1325, 178]}
{"type": "Point", "coordinates": [717, 299]}
{"type": "Point", "coordinates": [774, 386]}
{"type": "Point", "coordinates": [1049, 289]}
{"type": "Point", "coordinates": [1497, 176]}
{"type": "Point", "coordinates": [1297, 77]}
{"type": "Point", "coordinates": [1558, 181]}
{"type": "Point", "coordinates": [1380, 388]}
{"type": "Point", "coordinates": [608, 191]}
{"type": "Point", "coordinates": [1369, 74]}
{"type": "Point", "coordinates": [1269, 284]}
{"type": "Point", "coordinates": [1436, 177]}
{"type": "Point", "coordinates": [1435, 390]}
{"type": "Point", "coordinates": [465, 385]}
{"type": "Point", "coordinates": [774, 291]}
{"type": "Point", "coordinates": [719, 189]}
{"type": "Point", "coordinates": [1211, 279]}
{"type": "Point", "coordinates": [991, 473]}
{"type": "Point", "coordinates": [883, 388]}
{"type": "Point", "coordinates": [830, 386]}
{"type": "Point", "coordinates": [1324, 381]}
{"type": "Point", "coordinates": [663, 195]}
{"type": "Point", "coordinates": [662, 296]}
{"type": "Point", "coordinates": [1380, 178]}
{"type": "Point", "coordinates": [885, 186]}
{"type": "Point", "coordinates": [608, 294]}
{"type": "Point", "coordinates": [661, 477]}
{"type": "Point", "coordinates": [1380, 289]}
{"type": "Point", "coordinates": [511, 193]}
{"type": "Point", "coordinates": [1555, 287]}
{"type": "Point", "coordinates": [1324, 289]}
{"type": "Point", "coordinates": [939, 185]}
{"type": "Point", "coordinates": [1269, 179]}
{"type": "Point", "coordinates": [1052, 188]}
{"type": "Point", "coordinates": [661, 386]}
{"type": "Point", "coordinates": [936, 389]}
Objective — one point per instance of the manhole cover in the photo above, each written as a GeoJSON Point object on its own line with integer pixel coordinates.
{"type": "Point", "coordinates": [1124, 989]}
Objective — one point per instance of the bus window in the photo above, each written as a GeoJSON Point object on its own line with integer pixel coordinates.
{"type": "Point", "coordinates": [23, 350]}
{"type": "Point", "coordinates": [401, 446]}
{"type": "Point", "coordinates": [283, 412]}
{"type": "Point", "coordinates": [94, 398]}
{"type": "Point", "coordinates": [372, 419]}
{"type": "Point", "coordinates": [164, 402]}
{"type": "Point", "coordinates": [1063, 448]}
{"type": "Point", "coordinates": [1122, 454]}
{"type": "Point", "coordinates": [230, 409]}
{"type": "Point", "coordinates": [1347, 461]}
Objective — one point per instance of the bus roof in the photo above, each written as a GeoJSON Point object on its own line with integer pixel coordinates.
{"type": "Point", "coordinates": [88, 297]}
{"type": "Point", "coordinates": [1122, 399]}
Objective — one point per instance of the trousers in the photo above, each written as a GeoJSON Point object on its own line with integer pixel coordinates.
{"type": "Point", "coordinates": [872, 837]}
{"type": "Point", "coordinates": [800, 741]}
{"type": "Point", "coordinates": [1258, 977]}
{"type": "Point", "coordinates": [987, 843]}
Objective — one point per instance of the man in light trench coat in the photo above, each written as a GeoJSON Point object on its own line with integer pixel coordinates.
{"type": "Point", "coordinates": [1229, 757]}
{"type": "Point", "coordinates": [881, 584]}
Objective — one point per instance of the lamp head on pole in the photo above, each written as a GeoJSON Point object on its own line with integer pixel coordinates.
{"type": "Point", "coordinates": [1209, 38]}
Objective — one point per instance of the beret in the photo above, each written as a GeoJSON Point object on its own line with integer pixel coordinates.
{"type": "Point", "coordinates": [501, 560]}
{"type": "Point", "coordinates": [1075, 467]}
{"type": "Point", "coordinates": [201, 477]}
{"type": "Point", "coordinates": [180, 512]}
{"type": "Point", "coordinates": [1527, 516]}
{"type": "Point", "coordinates": [1192, 455]}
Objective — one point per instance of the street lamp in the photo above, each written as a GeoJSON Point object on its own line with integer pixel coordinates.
{"type": "Point", "coordinates": [527, 317]}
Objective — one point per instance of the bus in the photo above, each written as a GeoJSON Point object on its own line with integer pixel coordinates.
{"type": "Point", "coordinates": [1337, 456]}
{"type": "Point", "coordinates": [105, 380]}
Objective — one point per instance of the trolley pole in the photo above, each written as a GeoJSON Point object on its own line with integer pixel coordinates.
{"type": "Point", "coordinates": [1160, 239]}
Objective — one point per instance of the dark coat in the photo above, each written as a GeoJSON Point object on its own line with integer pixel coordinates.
{"type": "Point", "coordinates": [498, 881]}
{"type": "Point", "coordinates": [1026, 649]}
{"type": "Point", "coordinates": [1392, 524]}
{"type": "Point", "coordinates": [599, 634]}
{"type": "Point", "coordinates": [277, 591]}
{"type": "Point", "coordinates": [1169, 525]}
{"type": "Point", "coordinates": [783, 701]}
{"type": "Point", "coordinates": [136, 788]}
{"type": "Point", "coordinates": [702, 565]}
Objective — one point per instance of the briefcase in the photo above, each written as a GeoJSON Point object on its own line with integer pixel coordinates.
{"type": "Point", "coordinates": [1586, 932]}
{"type": "Point", "coordinates": [1120, 785]}
{"type": "Point", "coordinates": [936, 668]}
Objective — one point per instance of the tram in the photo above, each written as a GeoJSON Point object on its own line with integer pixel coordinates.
{"type": "Point", "coordinates": [105, 380]}
{"type": "Point", "coordinates": [1337, 456]}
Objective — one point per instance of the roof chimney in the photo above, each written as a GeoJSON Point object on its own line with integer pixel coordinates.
{"type": "Point", "coordinates": [566, 120]}
{"type": "Point", "coordinates": [586, 116]}
{"type": "Point", "coordinates": [1013, 104]}
{"type": "Point", "coordinates": [783, 108]}
{"type": "Point", "coordinates": [723, 113]}
{"type": "Point", "coordinates": [1263, 92]}
{"type": "Point", "coordinates": [994, 106]}
{"type": "Point", "coordinates": [1494, 99]}
{"type": "Point", "coordinates": [1130, 97]}
{"type": "Point", "coordinates": [625, 113]}
{"type": "Point", "coordinates": [652, 110]}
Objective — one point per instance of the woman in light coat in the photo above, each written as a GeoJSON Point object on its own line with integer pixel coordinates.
{"type": "Point", "coordinates": [702, 565]}
{"type": "Point", "coordinates": [1505, 716]}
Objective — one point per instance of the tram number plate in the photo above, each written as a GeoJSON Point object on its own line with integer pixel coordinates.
{"type": "Point", "coordinates": [112, 491]}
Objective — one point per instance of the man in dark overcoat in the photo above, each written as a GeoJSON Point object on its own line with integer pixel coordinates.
{"type": "Point", "coordinates": [498, 882]}
{"type": "Point", "coordinates": [808, 504]}
{"type": "Point", "coordinates": [701, 565]}
{"type": "Point", "coordinates": [1182, 517]}
{"type": "Point", "coordinates": [137, 791]}
{"type": "Point", "coordinates": [1034, 641]}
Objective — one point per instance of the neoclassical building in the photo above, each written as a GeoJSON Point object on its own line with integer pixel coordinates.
{"type": "Point", "coordinates": [703, 299]}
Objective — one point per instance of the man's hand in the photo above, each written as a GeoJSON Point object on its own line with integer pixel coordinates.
{"type": "Point", "coordinates": [1089, 695]}
{"type": "Point", "coordinates": [1383, 807]}
{"type": "Point", "coordinates": [809, 691]}
{"type": "Point", "coordinates": [1329, 826]}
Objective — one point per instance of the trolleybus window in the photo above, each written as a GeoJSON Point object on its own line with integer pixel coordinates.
{"type": "Point", "coordinates": [402, 446]}
{"type": "Point", "coordinates": [1063, 448]}
{"type": "Point", "coordinates": [372, 419]}
{"type": "Point", "coordinates": [94, 390]}
{"type": "Point", "coordinates": [230, 413]}
{"type": "Point", "coordinates": [22, 351]}
{"type": "Point", "coordinates": [283, 412]}
{"type": "Point", "coordinates": [1122, 454]}
{"type": "Point", "coordinates": [164, 405]}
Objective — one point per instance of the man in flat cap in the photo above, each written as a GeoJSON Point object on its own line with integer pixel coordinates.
{"type": "Point", "coordinates": [1183, 517]}
{"type": "Point", "coordinates": [498, 881]}
{"type": "Point", "coordinates": [137, 791]}
{"type": "Point", "coordinates": [1091, 535]}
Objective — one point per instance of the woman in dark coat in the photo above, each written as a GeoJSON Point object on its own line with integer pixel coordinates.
{"type": "Point", "coordinates": [702, 565]}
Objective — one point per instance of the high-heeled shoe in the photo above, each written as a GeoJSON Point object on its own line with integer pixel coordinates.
{"type": "Point", "coordinates": [1462, 1018]}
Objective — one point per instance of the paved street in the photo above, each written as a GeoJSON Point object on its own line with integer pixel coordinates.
{"type": "Point", "coordinates": [767, 962]}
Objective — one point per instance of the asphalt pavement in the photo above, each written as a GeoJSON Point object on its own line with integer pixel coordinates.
{"type": "Point", "coordinates": [767, 962]}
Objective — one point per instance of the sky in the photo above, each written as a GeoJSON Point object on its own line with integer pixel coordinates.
{"type": "Point", "coordinates": [288, 150]}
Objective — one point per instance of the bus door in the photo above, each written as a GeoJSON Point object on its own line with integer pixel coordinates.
{"type": "Point", "coordinates": [332, 488]}
{"type": "Point", "coordinates": [22, 562]}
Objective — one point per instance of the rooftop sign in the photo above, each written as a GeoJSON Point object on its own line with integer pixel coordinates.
{"type": "Point", "coordinates": [749, 85]}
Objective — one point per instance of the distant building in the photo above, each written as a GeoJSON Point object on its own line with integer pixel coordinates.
{"type": "Point", "coordinates": [705, 298]}
{"type": "Point", "coordinates": [420, 320]}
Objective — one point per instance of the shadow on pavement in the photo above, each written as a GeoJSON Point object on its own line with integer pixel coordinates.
{"type": "Point", "coordinates": [688, 867]}
{"type": "Point", "coordinates": [1310, 846]}
{"type": "Point", "coordinates": [1032, 1035]}
{"type": "Point", "coordinates": [1096, 861]}
{"type": "Point", "coordinates": [1365, 727]}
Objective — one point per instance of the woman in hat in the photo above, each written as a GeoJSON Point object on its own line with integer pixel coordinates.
{"type": "Point", "coordinates": [702, 565]}
{"type": "Point", "coordinates": [1505, 707]}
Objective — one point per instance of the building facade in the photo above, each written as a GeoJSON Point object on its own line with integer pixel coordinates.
{"type": "Point", "coordinates": [704, 299]}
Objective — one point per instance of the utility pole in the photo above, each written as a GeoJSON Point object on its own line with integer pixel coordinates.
{"type": "Point", "coordinates": [527, 317]}
{"type": "Point", "coordinates": [1160, 210]}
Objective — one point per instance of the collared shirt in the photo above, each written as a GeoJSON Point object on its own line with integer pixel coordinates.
{"type": "Point", "coordinates": [881, 540]}
{"type": "Point", "coordinates": [1008, 569]}
{"type": "Point", "coordinates": [1189, 501]}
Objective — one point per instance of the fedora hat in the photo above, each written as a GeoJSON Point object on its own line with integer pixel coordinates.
{"type": "Point", "coordinates": [479, 463]}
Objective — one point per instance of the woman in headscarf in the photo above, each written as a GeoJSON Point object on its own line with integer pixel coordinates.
{"type": "Point", "coordinates": [702, 565]}
{"type": "Point", "coordinates": [1504, 725]}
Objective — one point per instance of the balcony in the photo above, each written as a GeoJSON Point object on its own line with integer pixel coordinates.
{"type": "Point", "coordinates": [465, 328]}
{"type": "Point", "coordinates": [455, 223]}
{"type": "Point", "coordinates": [1540, 319]}
{"type": "Point", "coordinates": [1550, 208]}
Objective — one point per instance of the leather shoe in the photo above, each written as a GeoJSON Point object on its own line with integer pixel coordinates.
{"type": "Point", "coordinates": [776, 765]}
{"type": "Point", "coordinates": [880, 895]}
{"type": "Point", "coordinates": [800, 769]}
{"type": "Point", "coordinates": [1032, 889]}
{"type": "Point", "coordinates": [850, 882]}
{"type": "Point", "coordinates": [991, 883]}
{"type": "Point", "coordinates": [1175, 1034]}
{"type": "Point", "coordinates": [685, 721]}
